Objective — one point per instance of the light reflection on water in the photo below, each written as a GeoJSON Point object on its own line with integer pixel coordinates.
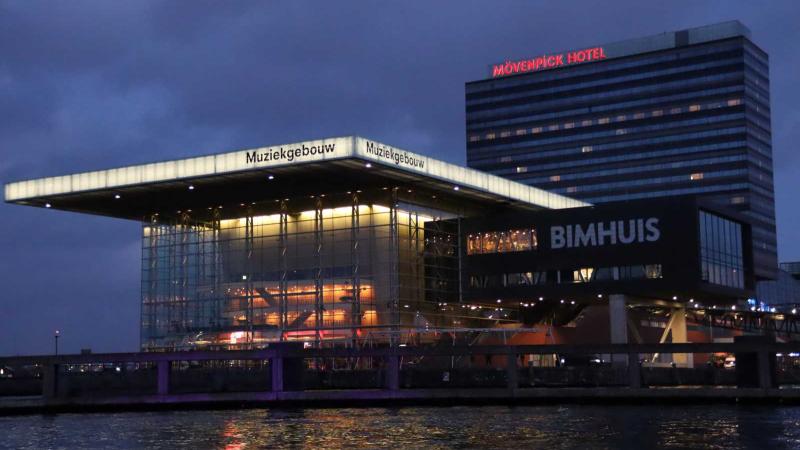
{"type": "Point", "coordinates": [551, 427]}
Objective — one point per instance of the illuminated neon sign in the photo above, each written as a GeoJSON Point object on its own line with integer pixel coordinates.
{"type": "Point", "coordinates": [548, 62]}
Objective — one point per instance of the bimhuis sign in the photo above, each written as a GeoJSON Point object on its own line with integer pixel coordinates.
{"type": "Point", "coordinates": [605, 233]}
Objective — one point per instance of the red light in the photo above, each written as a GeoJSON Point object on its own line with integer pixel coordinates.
{"type": "Point", "coordinates": [548, 62]}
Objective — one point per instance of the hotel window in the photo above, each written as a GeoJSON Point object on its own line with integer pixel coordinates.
{"type": "Point", "coordinates": [504, 134]}
{"type": "Point", "coordinates": [553, 127]}
{"type": "Point", "coordinates": [696, 176]}
{"type": "Point", "coordinates": [521, 132]}
{"type": "Point", "coordinates": [621, 118]}
{"type": "Point", "coordinates": [569, 125]}
{"type": "Point", "coordinates": [586, 149]}
{"type": "Point", "coordinates": [603, 120]}
{"type": "Point", "coordinates": [738, 200]}
{"type": "Point", "coordinates": [506, 159]}
{"type": "Point", "coordinates": [474, 138]}
{"type": "Point", "coordinates": [536, 130]}
{"type": "Point", "coordinates": [694, 108]}
{"type": "Point", "coordinates": [675, 111]}
{"type": "Point", "coordinates": [639, 115]}
{"type": "Point", "coordinates": [586, 123]}
{"type": "Point", "coordinates": [734, 102]}
{"type": "Point", "coordinates": [572, 189]}
{"type": "Point", "coordinates": [622, 131]}
{"type": "Point", "coordinates": [657, 113]}
{"type": "Point", "coordinates": [522, 169]}
{"type": "Point", "coordinates": [490, 136]}
{"type": "Point", "coordinates": [555, 177]}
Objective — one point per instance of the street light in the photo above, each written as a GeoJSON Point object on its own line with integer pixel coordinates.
{"type": "Point", "coordinates": [56, 339]}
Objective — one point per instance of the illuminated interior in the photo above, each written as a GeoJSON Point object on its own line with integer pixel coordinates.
{"type": "Point", "coordinates": [314, 275]}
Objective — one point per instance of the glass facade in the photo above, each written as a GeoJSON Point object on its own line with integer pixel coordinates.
{"type": "Point", "coordinates": [325, 274]}
{"type": "Point", "coordinates": [721, 254]}
{"type": "Point", "coordinates": [518, 240]}
{"type": "Point", "coordinates": [692, 119]}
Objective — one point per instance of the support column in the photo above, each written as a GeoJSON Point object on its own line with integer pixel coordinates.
{"type": "Point", "coordinates": [248, 281]}
{"type": "Point", "coordinates": [172, 280]}
{"type": "Point", "coordinates": [394, 281]}
{"type": "Point", "coordinates": [183, 283]}
{"type": "Point", "coordinates": [283, 256]}
{"type": "Point", "coordinates": [679, 337]}
{"type": "Point", "coordinates": [163, 377]}
{"type": "Point", "coordinates": [618, 325]}
{"type": "Point", "coordinates": [216, 225]}
{"type": "Point", "coordinates": [149, 308]}
{"type": "Point", "coordinates": [355, 227]}
{"type": "Point", "coordinates": [318, 281]}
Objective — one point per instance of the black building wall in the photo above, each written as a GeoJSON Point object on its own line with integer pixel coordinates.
{"type": "Point", "coordinates": [676, 250]}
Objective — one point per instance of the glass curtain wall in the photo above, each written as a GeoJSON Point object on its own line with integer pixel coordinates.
{"type": "Point", "coordinates": [721, 251]}
{"type": "Point", "coordinates": [320, 275]}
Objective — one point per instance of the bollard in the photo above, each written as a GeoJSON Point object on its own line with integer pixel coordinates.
{"type": "Point", "coordinates": [276, 366]}
{"type": "Point", "coordinates": [50, 381]}
{"type": "Point", "coordinates": [163, 377]}
{"type": "Point", "coordinates": [634, 371]}
{"type": "Point", "coordinates": [765, 370]}
{"type": "Point", "coordinates": [512, 373]}
{"type": "Point", "coordinates": [392, 381]}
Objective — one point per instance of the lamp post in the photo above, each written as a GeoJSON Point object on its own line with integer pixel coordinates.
{"type": "Point", "coordinates": [56, 339]}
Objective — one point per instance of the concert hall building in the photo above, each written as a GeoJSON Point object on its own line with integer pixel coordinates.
{"type": "Point", "coordinates": [347, 238]}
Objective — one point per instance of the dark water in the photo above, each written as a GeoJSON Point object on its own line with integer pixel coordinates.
{"type": "Point", "coordinates": [550, 427]}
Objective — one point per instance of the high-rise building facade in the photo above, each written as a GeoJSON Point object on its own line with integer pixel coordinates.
{"type": "Point", "coordinates": [678, 113]}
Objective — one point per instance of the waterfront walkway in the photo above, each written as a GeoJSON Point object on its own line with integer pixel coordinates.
{"type": "Point", "coordinates": [286, 374]}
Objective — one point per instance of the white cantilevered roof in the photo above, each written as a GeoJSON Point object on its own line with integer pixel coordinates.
{"type": "Point", "coordinates": [316, 152]}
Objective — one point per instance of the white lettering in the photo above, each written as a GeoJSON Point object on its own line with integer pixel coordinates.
{"type": "Point", "coordinates": [605, 233]}
{"type": "Point", "coordinates": [585, 238]}
{"type": "Point", "coordinates": [557, 237]}
{"type": "Point", "coordinates": [653, 233]}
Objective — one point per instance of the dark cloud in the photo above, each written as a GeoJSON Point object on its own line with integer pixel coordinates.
{"type": "Point", "coordinates": [92, 84]}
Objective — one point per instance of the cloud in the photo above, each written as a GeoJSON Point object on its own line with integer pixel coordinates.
{"type": "Point", "coordinates": [93, 84]}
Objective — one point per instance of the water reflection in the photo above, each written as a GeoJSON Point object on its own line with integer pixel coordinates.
{"type": "Point", "coordinates": [551, 427]}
